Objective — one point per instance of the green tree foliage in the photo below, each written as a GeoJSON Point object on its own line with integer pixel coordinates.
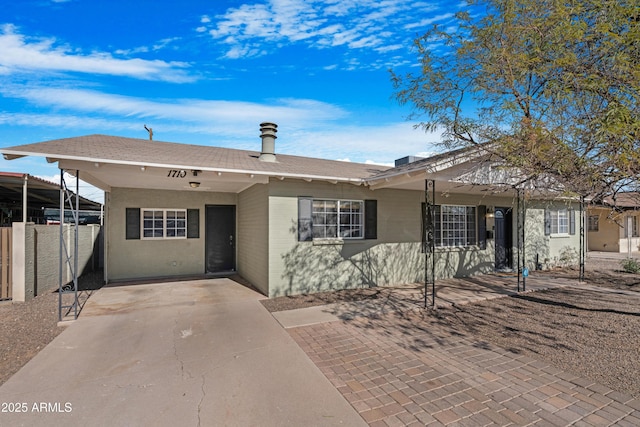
{"type": "Point", "coordinates": [550, 86]}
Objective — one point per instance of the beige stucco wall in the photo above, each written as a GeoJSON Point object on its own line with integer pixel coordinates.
{"type": "Point", "coordinates": [610, 236]}
{"type": "Point", "coordinates": [253, 235]}
{"type": "Point", "coordinates": [607, 238]}
{"type": "Point", "coordinates": [129, 259]}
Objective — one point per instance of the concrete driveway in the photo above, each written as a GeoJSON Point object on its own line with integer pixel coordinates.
{"type": "Point", "coordinates": [184, 353]}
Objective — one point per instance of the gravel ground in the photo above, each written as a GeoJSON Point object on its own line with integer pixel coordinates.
{"type": "Point", "coordinates": [26, 328]}
{"type": "Point", "coordinates": [592, 334]}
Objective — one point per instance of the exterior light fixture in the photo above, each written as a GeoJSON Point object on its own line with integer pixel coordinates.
{"type": "Point", "coordinates": [194, 184]}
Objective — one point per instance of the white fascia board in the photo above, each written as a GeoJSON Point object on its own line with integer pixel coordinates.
{"type": "Point", "coordinates": [429, 169]}
{"type": "Point", "coordinates": [58, 158]}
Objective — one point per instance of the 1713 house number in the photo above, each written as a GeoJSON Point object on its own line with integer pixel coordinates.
{"type": "Point", "coordinates": [175, 173]}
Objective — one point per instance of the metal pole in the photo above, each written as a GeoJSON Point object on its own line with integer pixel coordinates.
{"type": "Point", "coordinates": [518, 234]}
{"type": "Point", "coordinates": [524, 243]}
{"type": "Point", "coordinates": [433, 244]}
{"type": "Point", "coordinates": [24, 198]}
{"type": "Point", "coordinates": [429, 241]}
{"type": "Point", "coordinates": [77, 239]}
{"type": "Point", "coordinates": [582, 239]}
{"type": "Point", "coordinates": [60, 265]}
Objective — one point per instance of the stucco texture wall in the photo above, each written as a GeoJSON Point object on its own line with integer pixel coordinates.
{"type": "Point", "coordinates": [253, 235]}
{"type": "Point", "coordinates": [607, 238]}
{"type": "Point", "coordinates": [395, 257]}
{"type": "Point", "coordinates": [551, 250]}
{"type": "Point", "coordinates": [308, 267]}
{"type": "Point", "coordinates": [131, 259]}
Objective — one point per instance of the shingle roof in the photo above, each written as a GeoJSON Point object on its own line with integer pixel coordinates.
{"type": "Point", "coordinates": [623, 200]}
{"type": "Point", "coordinates": [115, 149]}
{"type": "Point", "coordinates": [429, 163]}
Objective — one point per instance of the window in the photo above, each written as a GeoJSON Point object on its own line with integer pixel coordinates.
{"type": "Point", "coordinates": [559, 221]}
{"type": "Point", "coordinates": [164, 223]}
{"type": "Point", "coordinates": [338, 218]}
{"type": "Point", "coordinates": [593, 223]}
{"type": "Point", "coordinates": [455, 225]}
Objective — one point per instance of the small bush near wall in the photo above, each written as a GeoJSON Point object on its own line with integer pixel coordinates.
{"type": "Point", "coordinates": [631, 265]}
{"type": "Point", "coordinates": [568, 256]}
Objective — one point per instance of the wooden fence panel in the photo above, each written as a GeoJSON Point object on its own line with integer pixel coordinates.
{"type": "Point", "coordinates": [5, 263]}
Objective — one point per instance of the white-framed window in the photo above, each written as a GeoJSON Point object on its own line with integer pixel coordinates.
{"type": "Point", "coordinates": [338, 219]}
{"type": "Point", "coordinates": [593, 223]}
{"type": "Point", "coordinates": [559, 221]}
{"type": "Point", "coordinates": [164, 223]}
{"type": "Point", "coordinates": [455, 226]}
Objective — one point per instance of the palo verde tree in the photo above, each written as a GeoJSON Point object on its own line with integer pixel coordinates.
{"type": "Point", "coordinates": [549, 86]}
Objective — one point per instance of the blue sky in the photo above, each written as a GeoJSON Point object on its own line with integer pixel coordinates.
{"type": "Point", "coordinates": [208, 72]}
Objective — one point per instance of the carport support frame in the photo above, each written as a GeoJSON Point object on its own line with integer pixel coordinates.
{"type": "Point", "coordinates": [582, 240]}
{"type": "Point", "coordinates": [428, 242]}
{"type": "Point", "coordinates": [522, 263]}
{"type": "Point", "coordinates": [73, 200]}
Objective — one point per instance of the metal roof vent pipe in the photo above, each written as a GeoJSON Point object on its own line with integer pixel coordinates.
{"type": "Point", "coordinates": [268, 135]}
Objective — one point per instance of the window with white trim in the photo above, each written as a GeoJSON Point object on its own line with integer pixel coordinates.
{"type": "Point", "coordinates": [455, 226]}
{"type": "Point", "coordinates": [559, 221]}
{"type": "Point", "coordinates": [164, 223]}
{"type": "Point", "coordinates": [593, 223]}
{"type": "Point", "coordinates": [338, 219]}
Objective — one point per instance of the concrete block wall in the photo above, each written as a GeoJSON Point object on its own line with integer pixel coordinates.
{"type": "Point", "coordinates": [36, 256]}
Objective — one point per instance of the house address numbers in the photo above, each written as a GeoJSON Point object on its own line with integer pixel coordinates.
{"type": "Point", "coordinates": [177, 173]}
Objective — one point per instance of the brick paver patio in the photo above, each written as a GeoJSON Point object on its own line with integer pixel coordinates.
{"type": "Point", "coordinates": [407, 368]}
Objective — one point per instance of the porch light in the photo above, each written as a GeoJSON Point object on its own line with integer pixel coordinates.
{"type": "Point", "coordinates": [490, 212]}
{"type": "Point", "coordinates": [194, 184]}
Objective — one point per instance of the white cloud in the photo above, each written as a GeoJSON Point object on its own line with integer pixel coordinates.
{"type": "Point", "coordinates": [356, 24]}
{"type": "Point", "coordinates": [375, 144]}
{"type": "Point", "coordinates": [306, 127]}
{"type": "Point", "coordinates": [217, 116]}
{"type": "Point", "coordinates": [22, 54]}
{"type": "Point", "coordinates": [428, 21]}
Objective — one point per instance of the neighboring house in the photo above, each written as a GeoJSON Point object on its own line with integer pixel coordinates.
{"type": "Point", "coordinates": [612, 225]}
{"type": "Point", "coordinates": [292, 224]}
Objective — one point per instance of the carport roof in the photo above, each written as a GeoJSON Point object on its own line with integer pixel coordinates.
{"type": "Point", "coordinates": [40, 193]}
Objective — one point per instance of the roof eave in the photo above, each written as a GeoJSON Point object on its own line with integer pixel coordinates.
{"type": "Point", "coordinates": [10, 155]}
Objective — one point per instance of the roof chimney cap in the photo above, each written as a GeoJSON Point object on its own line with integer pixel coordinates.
{"type": "Point", "coordinates": [268, 134]}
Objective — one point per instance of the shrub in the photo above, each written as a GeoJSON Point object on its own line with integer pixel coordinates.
{"type": "Point", "coordinates": [631, 265]}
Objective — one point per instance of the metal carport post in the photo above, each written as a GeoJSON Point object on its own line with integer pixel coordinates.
{"type": "Point", "coordinates": [428, 241]}
{"type": "Point", "coordinates": [65, 259]}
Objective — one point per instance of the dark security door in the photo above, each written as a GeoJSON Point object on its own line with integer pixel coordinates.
{"type": "Point", "coordinates": [503, 238]}
{"type": "Point", "coordinates": [220, 245]}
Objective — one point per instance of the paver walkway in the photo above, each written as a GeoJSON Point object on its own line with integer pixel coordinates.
{"type": "Point", "coordinates": [407, 368]}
